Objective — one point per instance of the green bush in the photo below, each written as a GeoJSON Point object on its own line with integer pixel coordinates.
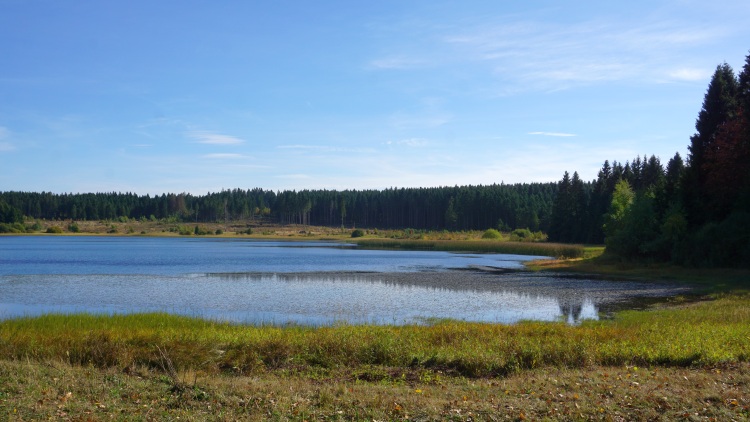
{"type": "Point", "coordinates": [36, 227]}
{"type": "Point", "coordinates": [200, 231]}
{"type": "Point", "coordinates": [54, 230]}
{"type": "Point", "coordinates": [219, 231]}
{"type": "Point", "coordinates": [358, 233]}
{"type": "Point", "coordinates": [492, 234]}
{"type": "Point", "coordinates": [520, 235]}
{"type": "Point", "coordinates": [73, 227]}
{"type": "Point", "coordinates": [526, 235]}
{"type": "Point", "coordinates": [12, 228]}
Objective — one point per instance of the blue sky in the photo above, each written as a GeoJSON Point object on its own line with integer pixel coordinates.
{"type": "Point", "coordinates": [197, 96]}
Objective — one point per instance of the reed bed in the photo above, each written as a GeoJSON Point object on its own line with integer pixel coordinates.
{"type": "Point", "coordinates": [706, 333]}
{"type": "Point", "coordinates": [556, 250]}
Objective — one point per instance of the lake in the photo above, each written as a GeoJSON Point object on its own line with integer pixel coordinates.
{"type": "Point", "coordinates": [278, 282]}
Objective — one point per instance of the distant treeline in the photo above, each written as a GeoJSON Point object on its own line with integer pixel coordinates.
{"type": "Point", "coordinates": [454, 208]}
{"type": "Point", "coordinates": [693, 213]}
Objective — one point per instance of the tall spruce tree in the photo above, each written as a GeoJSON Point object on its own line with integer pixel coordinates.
{"type": "Point", "coordinates": [719, 106]}
{"type": "Point", "coordinates": [743, 88]}
{"type": "Point", "coordinates": [578, 208]}
{"type": "Point", "coordinates": [561, 210]}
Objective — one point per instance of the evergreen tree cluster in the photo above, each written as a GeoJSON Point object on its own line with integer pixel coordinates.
{"type": "Point", "coordinates": [693, 213]}
{"type": "Point", "coordinates": [456, 208]}
{"type": "Point", "coordinates": [578, 213]}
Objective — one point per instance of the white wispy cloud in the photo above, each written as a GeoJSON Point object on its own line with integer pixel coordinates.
{"type": "Point", "coordinates": [205, 137]}
{"type": "Point", "coordinates": [411, 142]}
{"type": "Point", "coordinates": [6, 146]}
{"type": "Point", "coordinates": [529, 53]}
{"type": "Point", "coordinates": [690, 75]}
{"type": "Point", "coordinates": [559, 134]}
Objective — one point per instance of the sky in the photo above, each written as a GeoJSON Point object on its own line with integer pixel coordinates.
{"type": "Point", "coordinates": [198, 96]}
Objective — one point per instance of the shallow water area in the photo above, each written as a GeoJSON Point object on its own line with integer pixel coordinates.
{"type": "Point", "coordinates": [311, 283]}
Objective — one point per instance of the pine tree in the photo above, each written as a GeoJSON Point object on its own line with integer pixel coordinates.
{"type": "Point", "coordinates": [561, 210]}
{"type": "Point", "coordinates": [743, 88]}
{"type": "Point", "coordinates": [719, 106]}
{"type": "Point", "coordinates": [675, 170]}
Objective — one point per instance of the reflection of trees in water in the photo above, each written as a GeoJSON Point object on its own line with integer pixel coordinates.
{"type": "Point", "coordinates": [576, 297]}
{"type": "Point", "coordinates": [573, 309]}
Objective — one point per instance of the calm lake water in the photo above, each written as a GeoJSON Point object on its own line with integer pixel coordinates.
{"type": "Point", "coordinates": [265, 282]}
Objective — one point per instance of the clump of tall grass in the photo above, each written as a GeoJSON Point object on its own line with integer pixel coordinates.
{"type": "Point", "coordinates": [702, 334]}
{"type": "Point", "coordinates": [556, 250]}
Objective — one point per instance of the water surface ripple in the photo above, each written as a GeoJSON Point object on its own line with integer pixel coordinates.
{"type": "Point", "coordinates": [317, 283]}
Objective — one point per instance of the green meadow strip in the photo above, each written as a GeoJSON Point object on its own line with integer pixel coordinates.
{"type": "Point", "coordinates": [706, 333]}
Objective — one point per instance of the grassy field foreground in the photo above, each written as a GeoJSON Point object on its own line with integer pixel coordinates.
{"type": "Point", "coordinates": [689, 360]}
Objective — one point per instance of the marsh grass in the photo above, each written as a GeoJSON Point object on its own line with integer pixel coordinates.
{"type": "Point", "coordinates": [556, 250]}
{"type": "Point", "coordinates": [690, 359]}
{"type": "Point", "coordinates": [702, 333]}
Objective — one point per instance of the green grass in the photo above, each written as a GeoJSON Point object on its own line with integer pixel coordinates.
{"type": "Point", "coordinates": [556, 250]}
{"type": "Point", "coordinates": [686, 359]}
{"type": "Point", "coordinates": [705, 333]}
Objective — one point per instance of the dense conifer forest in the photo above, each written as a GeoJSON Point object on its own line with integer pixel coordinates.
{"type": "Point", "coordinates": [692, 212]}
{"type": "Point", "coordinates": [452, 208]}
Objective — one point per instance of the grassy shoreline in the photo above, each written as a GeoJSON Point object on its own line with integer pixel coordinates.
{"type": "Point", "coordinates": [177, 366]}
{"type": "Point", "coordinates": [704, 333]}
{"type": "Point", "coordinates": [683, 359]}
{"type": "Point", "coordinates": [407, 239]}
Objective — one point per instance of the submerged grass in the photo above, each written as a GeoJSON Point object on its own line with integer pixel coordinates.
{"type": "Point", "coordinates": [556, 250]}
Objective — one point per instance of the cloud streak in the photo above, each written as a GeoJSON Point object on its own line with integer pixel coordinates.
{"type": "Point", "coordinates": [528, 53]}
{"type": "Point", "coordinates": [689, 74]}
{"type": "Point", "coordinates": [542, 55]}
{"type": "Point", "coordinates": [411, 142]}
{"type": "Point", "coordinates": [209, 138]}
